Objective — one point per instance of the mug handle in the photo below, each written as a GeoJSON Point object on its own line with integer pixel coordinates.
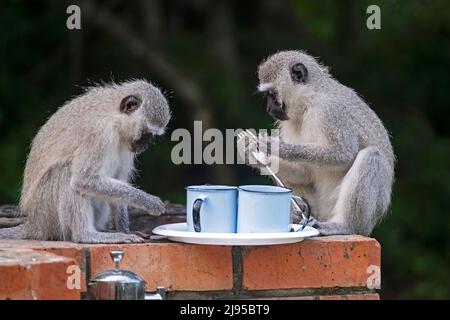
{"type": "Point", "coordinates": [196, 207]}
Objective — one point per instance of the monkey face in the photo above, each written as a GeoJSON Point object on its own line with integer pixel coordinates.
{"type": "Point", "coordinates": [288, 80]}
{"type": "Point", "coordinates": [143, 142]}
{"type": "Point", "coordinates": [144, 114]}
{"type": "Point", "coordinates": [274, 107]}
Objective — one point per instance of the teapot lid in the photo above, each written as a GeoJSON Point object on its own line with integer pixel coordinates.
{"type": "Point", "coordinates": [117, 275]}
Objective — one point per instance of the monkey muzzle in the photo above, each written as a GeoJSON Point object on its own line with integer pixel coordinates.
{"type": "Point", "coordinates": [276, 109]}
{"type": "Point", "coordinates": [141, 144]}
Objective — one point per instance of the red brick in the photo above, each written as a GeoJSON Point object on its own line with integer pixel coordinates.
{"type": "Point", "coordinates": [321, 262]}
{"type": "Point", "coordinates": [61, 248]}
{"type": "Point", "coordinates": [27, 274]}
{"type": "Point", "coordinates": [180, 267]}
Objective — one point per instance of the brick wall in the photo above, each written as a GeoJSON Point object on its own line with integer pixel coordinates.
{"type": "Point", "coordinates": [319, 268]}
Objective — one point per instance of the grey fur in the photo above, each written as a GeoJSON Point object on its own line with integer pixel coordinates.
{"type": "Point", "coordinates": [77, 174]}
{"type": "Point", "coordinates": [334, 149]}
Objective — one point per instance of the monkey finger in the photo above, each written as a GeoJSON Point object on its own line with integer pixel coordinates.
{"type": "Point", "coordinates": [312, 222]}
{"type": "Point", "coordinates": [241, 143]}
{"type": "Point", "coordinates": [132, 238]}
{"type": "Point", "coordinates": [263, 137]}
{"type": "Point", "coordinates": [154, 206]}
{"type": "Point", "coordinates": [251, 135]}
{"type": "Point", "coordinates": [243, 147]}
{"type": "Point", "coordinates": [296, 216]}
{"type": "Point", "coordinates": [161, 207]}
{"type": "Point", "coordinates": [141, 234]}
{"type": "Point", "coordinates": [157, 211]}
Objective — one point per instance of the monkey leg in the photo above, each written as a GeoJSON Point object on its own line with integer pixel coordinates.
{"type": "Point", "coordinates": [103, 215]}
{"type": "Point", "coordinates": [81, 224]}
{"type": "Point", "coordinates": [122, 221]}
{"type": "Point", "coordinates": [358, 207]}
{"type": "Point", "coordinates": [121, 218]}
{"type": "Point", "coordinates": [41, 205]}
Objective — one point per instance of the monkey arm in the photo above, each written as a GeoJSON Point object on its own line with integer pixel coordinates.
{"type": "Point", "coordinates": [88, 178]}
{"type": "Point", "coordinates": [340, 150]}
{"type": "Point", "coordinates": [337, 145]}
{"type": "Point", "coordinates": [319, 154]}
{"type": "Point", "coordinates": [117, 192]}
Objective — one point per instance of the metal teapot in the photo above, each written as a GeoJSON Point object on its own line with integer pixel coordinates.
{"type": "Point", "coordinates": [120, 284]}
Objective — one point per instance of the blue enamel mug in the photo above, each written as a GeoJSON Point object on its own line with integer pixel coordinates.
{"type": "Point", "coordinates": [263, 209]}
{"type": "Point", "coordinates": [211, 208]}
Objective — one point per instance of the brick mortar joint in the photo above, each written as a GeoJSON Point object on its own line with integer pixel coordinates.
{"type": "Point", "coordinates": [87, 265]}
{"type": "Point", "coordinates": [238, 269]}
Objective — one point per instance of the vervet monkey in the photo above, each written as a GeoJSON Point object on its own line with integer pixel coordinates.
{"type": "Point", "coordinates": [77, 173]}
{"type": "Point", "coordinates": [333, 149]}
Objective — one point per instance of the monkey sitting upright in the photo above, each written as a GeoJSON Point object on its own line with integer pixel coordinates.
{"type": "Point", "coordinates": [333, 149]}
{"type": "Point", "coordinates": [76, 175]}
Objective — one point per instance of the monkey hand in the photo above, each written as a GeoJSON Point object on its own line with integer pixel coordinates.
{"type": "Point", "coordinates": [268, 144]}
{"type": "Point", "coordinates": [246, 149]}
{"type": "Point", "coordinates": [296, 216]}
{"type": "Point", "coordinates": [154, 206]}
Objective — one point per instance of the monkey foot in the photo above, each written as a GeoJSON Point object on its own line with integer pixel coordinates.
{"type": "Point", "coordinates": [104, 237]}
{"type": "Point", "coordinates": [331, 228]}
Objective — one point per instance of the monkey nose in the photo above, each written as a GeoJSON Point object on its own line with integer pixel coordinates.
{"type": "Point", "coordinates": [147, 136]}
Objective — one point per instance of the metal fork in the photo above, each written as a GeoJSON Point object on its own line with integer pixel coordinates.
{"type": "Point", "coordinates": [259, 155]}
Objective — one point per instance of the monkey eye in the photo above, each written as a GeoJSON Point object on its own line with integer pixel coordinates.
{"type": "Point", "coordinates": [299, 73]}
{"type": "Point", "coordinates": [129, 104]}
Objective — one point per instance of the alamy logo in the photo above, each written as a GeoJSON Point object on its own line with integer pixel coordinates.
{"type": "Point", "coordinates": [374, 278]}
{"type": "Point", "coordinates": [74, 277]}
{"type": "Point", "coordinates": [374, 20]}
{"type": "Point", "coordinates": [73, 21]}
{"type": "Point", "coordinates": [212, 147]}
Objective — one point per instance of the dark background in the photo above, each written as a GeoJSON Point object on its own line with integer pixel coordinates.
{"type": "Point", "coordinates": [205, 54]}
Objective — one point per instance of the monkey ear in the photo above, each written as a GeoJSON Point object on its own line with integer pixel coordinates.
{"type": "Point", "coordinates": [129, 104]}
{"type": "Point", "coordinates": [299, 73]}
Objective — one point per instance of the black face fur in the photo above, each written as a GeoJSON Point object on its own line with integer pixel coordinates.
{"type": "Point", "coordinates": [144, 141]}
{"type": "Point", "coordinates": [273, 107]}
{"type": "Point", "coordinates": [299, 74]}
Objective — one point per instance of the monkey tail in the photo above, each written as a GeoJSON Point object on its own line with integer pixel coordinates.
{"type": "Point", "coordinates": [365, 191]}
{"type": "Point", "coordinates": [12, 215]}
{"type": "Point", "coordinates": [17, 232]}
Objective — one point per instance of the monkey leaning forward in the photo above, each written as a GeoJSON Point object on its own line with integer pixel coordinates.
{"type": "Point", "coordinates": [333, 149]}
{"type": "Point", "coordinates": [77, 174]}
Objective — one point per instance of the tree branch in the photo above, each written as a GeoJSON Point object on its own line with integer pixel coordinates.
{"type": "Point", "coordinates": [185, 86]}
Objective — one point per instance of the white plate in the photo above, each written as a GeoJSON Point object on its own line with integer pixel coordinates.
{"type": "Point", "coordinates": [179, 232]}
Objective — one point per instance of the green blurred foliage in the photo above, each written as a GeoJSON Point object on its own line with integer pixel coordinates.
{"type": "Point", "coordinates": [402, 70]}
